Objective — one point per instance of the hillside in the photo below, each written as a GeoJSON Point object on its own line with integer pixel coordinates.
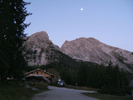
{"type": "Point", "coordinates": [92, 50]}
{"type": "Point", "coordinates": [41, 51]}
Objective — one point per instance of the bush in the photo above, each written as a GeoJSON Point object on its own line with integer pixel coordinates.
{"type": "Point", "coordinates": [119, 92]}
{"type": "Point", "coordinates": [38, 85]}
{"type": "Point", "coordinates": [15, 91]}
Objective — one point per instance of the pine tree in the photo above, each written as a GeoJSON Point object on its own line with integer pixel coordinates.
{"type": "Point", "coordinates": [12, 16]}
{"type": "Point", "coordinates": [101, 76]}
{"type": "Point", "coordinates": [109, 76]}
{"type": "Point", "coordinates": [65, 75]}
{"type": "Point", "coordinates": [89, 77]}
{"type": "Point", "coordinates": [82, 74]}
{"type": "Point", "coordinates": [123, 79]}
{"type": "Point", "coordinates": [116, 73]}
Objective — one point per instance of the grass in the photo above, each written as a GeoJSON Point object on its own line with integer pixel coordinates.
{"type": "Point", "coordinates": [17, 91]}
{"type": "Point", "coordinates": [36, 85]}
{"type": "Point", "coordinates": [80, 88]}
{"type": "Point", "coordinates": [107, 97]}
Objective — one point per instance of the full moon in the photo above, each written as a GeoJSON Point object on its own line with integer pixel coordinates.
{"type": "Point", "coordinates": [81, 9]}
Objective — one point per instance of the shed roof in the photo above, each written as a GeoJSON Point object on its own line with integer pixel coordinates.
{"type": "Point", "coordinates": [39, 70]}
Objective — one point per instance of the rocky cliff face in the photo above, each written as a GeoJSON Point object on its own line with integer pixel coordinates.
{"type": "Point", "coordinates": [40, 49]}
{"type": "Point", "coordinates": [92, 50]}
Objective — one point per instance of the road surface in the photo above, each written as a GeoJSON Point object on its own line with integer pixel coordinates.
{"type": "Point", "coordinates": [60, 93]}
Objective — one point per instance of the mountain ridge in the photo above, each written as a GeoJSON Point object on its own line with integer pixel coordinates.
{"type": "Point", "coordinates": [41, 51]}
{"type": "Point", "coordinates": [92, 50]}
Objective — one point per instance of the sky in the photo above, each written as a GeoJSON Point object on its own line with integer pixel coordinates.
{"type": "Point", "coordinates": [109, 21]}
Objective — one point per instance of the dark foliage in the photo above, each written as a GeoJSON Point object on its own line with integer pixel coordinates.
{"type": "Point", "coordinates": [12, 16]}
{"type": "Point", "coordinates": [103, 77]}
{"type": "Point", "coordinates": [96, 76]}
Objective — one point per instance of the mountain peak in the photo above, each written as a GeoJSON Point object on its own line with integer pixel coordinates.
{"type": "Point", "coordinates": [92, 38]}
{"type": "Point", "coordinates": [92, 50]}
{"type": "Point", "coordinates": [40, 35]}
{"type": "Point", "coordinates": [39, 47]}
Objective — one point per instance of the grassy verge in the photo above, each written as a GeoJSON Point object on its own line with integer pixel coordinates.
{"type": "Point", "coordinates": [107, 97]}
{"type": "Point", "coordinates": [36, 85]}
{"type": "Point", "coordinates": [17, 91]}
{"type": "Point", "coordinates": [80, 88]}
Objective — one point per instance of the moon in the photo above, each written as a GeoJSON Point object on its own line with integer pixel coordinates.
{"type": "Point", "coordinates": [81, 9]}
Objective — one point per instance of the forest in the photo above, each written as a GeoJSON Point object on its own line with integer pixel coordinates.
{"type": "Point", "coordinates": [96, 76]}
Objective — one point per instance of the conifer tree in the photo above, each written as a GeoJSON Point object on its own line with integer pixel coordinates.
{"type": "Point", "coordinates": [82, 74]}
{"type": "Point", "coordinates": [95, 77]}
{"type": "Point", "coordinates": [109, 76]}
{"type": "Point", "coordinates": [12, 16]}
{"type": "Point", "coordinates": [116, 74]}
{"type": "Point", "coordinates": [101, 76]}
{"type": "Point", "coordinates": [89, 76]}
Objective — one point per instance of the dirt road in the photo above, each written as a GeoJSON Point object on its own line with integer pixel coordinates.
{"type": "Point", "coordinates": [57, 93]}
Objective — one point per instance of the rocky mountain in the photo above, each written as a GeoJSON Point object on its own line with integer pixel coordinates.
{"type": "Point", "coordinates": [92, 50]}
{"type": "Point", "coordinates": [41, 51]}
{"type": "Point", "coordinates": [38, 47]}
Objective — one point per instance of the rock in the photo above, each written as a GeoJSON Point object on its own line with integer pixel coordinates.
{"type": "Point", "coordinates": [92, 50]}
{"type": "Point", "coordinates": [40, 49]}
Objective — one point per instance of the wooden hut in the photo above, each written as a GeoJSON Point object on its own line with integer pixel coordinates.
{"type": "Point", "coordinates": [39, 75]}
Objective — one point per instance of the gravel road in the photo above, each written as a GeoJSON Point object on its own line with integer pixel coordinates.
{"type": "Point", "coordinates": [60, 93]}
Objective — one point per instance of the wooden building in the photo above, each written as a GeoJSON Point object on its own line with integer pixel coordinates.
{"type": "Point", "coordinates": [39, 75]}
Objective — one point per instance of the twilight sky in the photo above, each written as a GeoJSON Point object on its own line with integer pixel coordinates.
{"type": "Point", "coordinates": [109, 21]}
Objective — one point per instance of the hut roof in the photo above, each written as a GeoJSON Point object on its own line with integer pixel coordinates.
{"type": "Point", "coordinates": [39, 70]}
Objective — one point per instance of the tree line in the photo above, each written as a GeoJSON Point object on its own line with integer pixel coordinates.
{"type": "Point", "coordinates": [98, 76]}
{"type": "Point", "coordinates": [101, 76]}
